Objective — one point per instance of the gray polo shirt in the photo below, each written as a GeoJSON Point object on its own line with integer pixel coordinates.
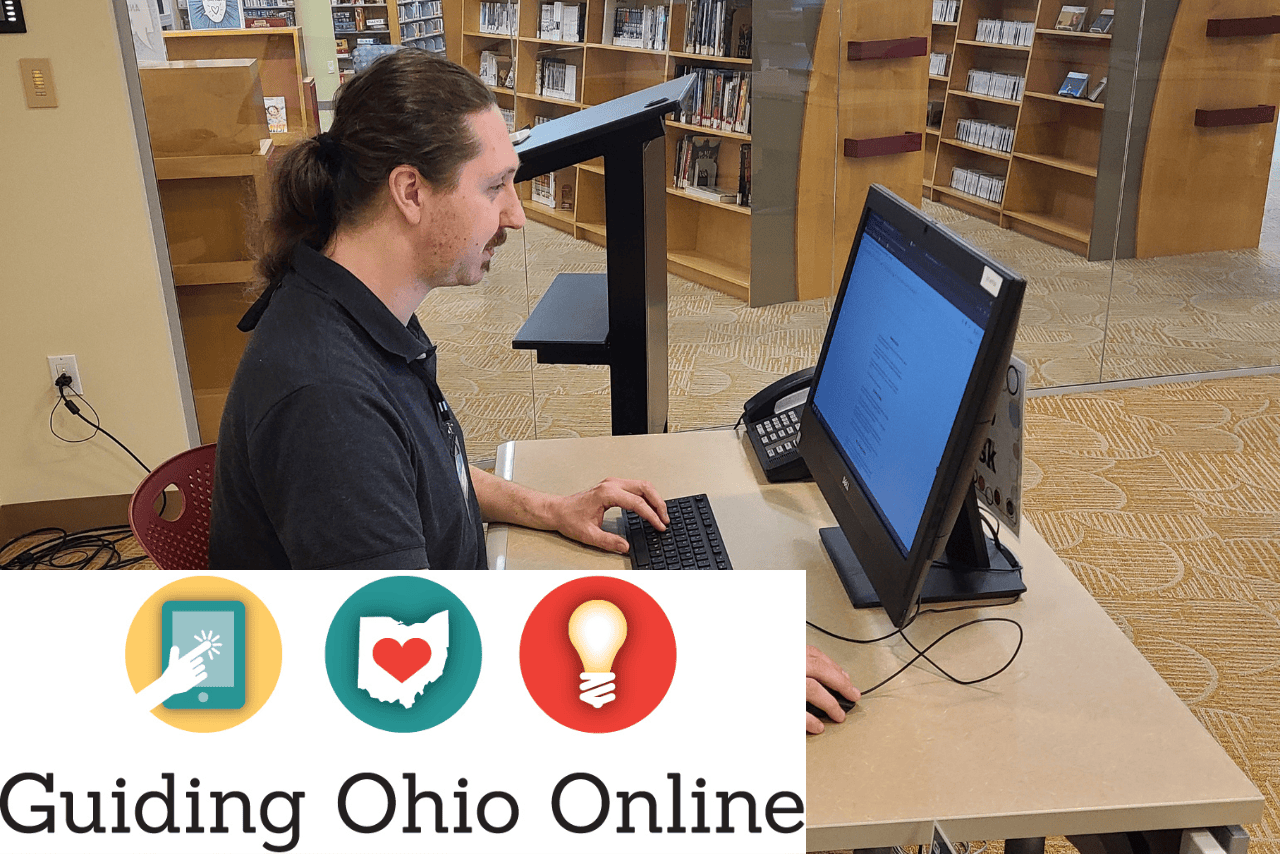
{"type": "Point", "coordinates": [337, 449]}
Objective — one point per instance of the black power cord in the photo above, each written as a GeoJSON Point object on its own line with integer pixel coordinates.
{"type": "Point", "coordinates": [923, 653]}
{"type": "Point", "coordinates": [92, 548]}
{"type": "Point", "coordinates": [63, 383]}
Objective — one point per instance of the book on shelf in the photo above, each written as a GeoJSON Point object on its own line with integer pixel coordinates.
{"type": "Point", "coordinates": [933, 114]}
{"type": "Point", "coordinates": [1071, 18]}
{"type": "Point", "coordinates": [939, 64]}
{"type": "Point", "coordinates": [975, 182]}
{"type": "Point", "coordinates": [998, 31]}
{"type": "Point", "coordinates": [509, 117]}
{"type": "Point", "coordinates": [562, 22]}
{"type": "Point", "coordinates": [498, 18]}
{"type": "Point", "coordinates": [1073, 85]}
{"type": "Point", "coordinates": [277, 120]}
{"type": "Point", "coordinates": [495, 68]}
{"type": "Point", "coordinates": [566, 198]}
{"type": "Point", "coordinates": [945, 11]}
{"type": "Point", "coordinates": [713, 194]}
{"type": "Point", "coordinates": [985, 134]}
{"type": "Point", "coordinates": [696, 160]}
{"type": "Point", "coordinates": [268, 18]}
{"type": "Point", "coordinates": [721, 98]}
{"type": "Point", "coordinates": [543, 189]}
{"type": "Point", "coordinates": [995, 84]}
{"type": "Point", "coordinates": [1096, 90]}
{"type": "Point", "coordinates": [636, 25]}
{"type": "Point", "coordinates": [1102, 23]}
{"type": "Point", "coordinates": [718, 28]}
{"type": "Point", "coordinates": [555, 78]}
{"type": "Point", "coordinates": [744, 175]}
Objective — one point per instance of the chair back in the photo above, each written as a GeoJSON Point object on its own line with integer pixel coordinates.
{"type": "Point", "coordinates": [183, 542]}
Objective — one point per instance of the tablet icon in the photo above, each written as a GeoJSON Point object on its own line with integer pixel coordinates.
{"type": "Point", "coordinates": [203, 654]}
{"type": "Point", "coordinates": [214, 632]}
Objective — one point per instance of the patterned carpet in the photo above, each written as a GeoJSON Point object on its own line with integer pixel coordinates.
{"type": "Point", "coordinates": [1165, 503]}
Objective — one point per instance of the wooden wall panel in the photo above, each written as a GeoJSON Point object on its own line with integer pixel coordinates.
{"type": "Point", "coordinates": [1204, 189]}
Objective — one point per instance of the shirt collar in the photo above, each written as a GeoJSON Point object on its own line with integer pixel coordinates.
{"type": "Point", "coordinates": [409, 342]}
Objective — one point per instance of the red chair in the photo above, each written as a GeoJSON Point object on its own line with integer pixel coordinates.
{"type": "Point", "coordinates": [183, 542]}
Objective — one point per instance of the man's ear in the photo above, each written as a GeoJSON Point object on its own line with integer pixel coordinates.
{"type": "Point", "coordinates": [410, 194]}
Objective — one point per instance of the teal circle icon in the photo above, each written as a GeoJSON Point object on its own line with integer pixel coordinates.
{"type": "Point", "coordinates": [403, 654]}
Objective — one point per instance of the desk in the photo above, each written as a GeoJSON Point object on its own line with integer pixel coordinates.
{"type": "Point", "coordinates": [1080, 736]}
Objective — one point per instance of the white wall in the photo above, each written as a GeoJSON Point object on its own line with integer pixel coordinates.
{"type": "Point", "coordinates": [79, 270]}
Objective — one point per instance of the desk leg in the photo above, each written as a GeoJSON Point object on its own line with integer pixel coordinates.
{"type": "Point", "coordinates": [1024, 846]}
{"type": "Point", "coordinates": [1144, 842]}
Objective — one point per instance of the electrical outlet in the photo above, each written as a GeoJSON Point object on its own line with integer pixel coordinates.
{"type": "Point", "coordinates": [333, 66]}
{"type": "Point", "coordinates": [59, 365]}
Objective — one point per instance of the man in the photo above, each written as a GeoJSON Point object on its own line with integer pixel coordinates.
{"type": "Point", "coordinates": [337, 449]}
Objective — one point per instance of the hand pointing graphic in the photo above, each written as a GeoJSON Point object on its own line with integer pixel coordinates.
{"type": "Point", "coordinates": [181, 675]}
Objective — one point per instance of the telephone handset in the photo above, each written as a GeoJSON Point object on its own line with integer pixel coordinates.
{"type": "Point", "coordinates": [773, 423]}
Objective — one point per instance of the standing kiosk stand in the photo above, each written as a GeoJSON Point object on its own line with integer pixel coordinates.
{"type": "Point", "coordinates": [617, 319]}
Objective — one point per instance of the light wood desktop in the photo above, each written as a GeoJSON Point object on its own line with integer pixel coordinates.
{"type": "Point", "coordinates": [1079, 736]}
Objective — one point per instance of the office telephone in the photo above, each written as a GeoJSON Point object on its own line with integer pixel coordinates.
{"type": "Point", "coordinates": [773, 422]}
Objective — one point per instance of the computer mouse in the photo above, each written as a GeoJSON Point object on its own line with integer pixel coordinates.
{"type": "Point", "coordinates": [845, 703]}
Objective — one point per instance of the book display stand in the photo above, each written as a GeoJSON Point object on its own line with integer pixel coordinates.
{"type": "Point", "coordinates": [617, 319]}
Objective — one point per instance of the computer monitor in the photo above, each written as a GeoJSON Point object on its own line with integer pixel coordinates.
{"type": "Point", "coordinates": [907, 383]}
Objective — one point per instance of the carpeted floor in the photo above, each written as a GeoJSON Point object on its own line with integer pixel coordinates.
{"type": "Point", "coordinates": [1165, 503]}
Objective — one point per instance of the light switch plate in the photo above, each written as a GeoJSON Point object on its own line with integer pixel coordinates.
{"type": "Point", "coordinates": [11, 20]}
{"type": "Point", "coordinates": [37, 82]}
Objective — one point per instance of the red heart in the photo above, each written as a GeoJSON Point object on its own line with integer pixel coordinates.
{"type": "Point", "coordinates": [401, 661]}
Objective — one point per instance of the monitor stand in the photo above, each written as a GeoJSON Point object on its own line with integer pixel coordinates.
{"type": "Point", "coordinates": [987, 574]}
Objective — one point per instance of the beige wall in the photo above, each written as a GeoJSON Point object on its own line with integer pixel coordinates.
{"type": "Point", "coordinates": [80, 271]}
{"type": "Point", "coordinates": [316, 19]}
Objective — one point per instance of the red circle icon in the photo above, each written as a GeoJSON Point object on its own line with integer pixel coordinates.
{"type": "Point", "coordinates": [598, 654]}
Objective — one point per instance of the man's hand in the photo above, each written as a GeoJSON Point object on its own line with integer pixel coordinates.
{"type": "Point", "coordinates": [822, 671]}
{"type": "Point", "coordinates": [579, 516]}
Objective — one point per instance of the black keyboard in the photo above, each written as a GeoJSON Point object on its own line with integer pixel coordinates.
{"type": "Point", "coordinates": [691, 541]}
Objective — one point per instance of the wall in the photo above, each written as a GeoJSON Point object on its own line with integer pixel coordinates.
{"type": "Point", "coordinates": [81, 271]}
{"type": "Point", "coordinates": [315, 17]}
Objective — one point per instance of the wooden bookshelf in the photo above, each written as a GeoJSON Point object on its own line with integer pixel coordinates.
{"type": "Point", "coordinates": [1051, 174]}
{"type": "Point", "coordinates": [209, 140]}
{"type": "Point", "coordinates": [281, 66]}
{"type": "Point", "coordinates": [708, 242]}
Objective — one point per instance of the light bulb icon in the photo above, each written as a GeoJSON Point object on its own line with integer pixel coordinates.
{"type": "Point", "coordinates": [597, 630]}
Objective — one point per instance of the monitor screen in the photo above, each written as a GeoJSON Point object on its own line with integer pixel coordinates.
{"type": "Point", "coordinates": [920, 334]}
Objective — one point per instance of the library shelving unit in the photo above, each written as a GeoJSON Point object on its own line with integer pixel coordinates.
{"type": "Point", "coordinates": [281, 64]}
{"type": "Point", "coordinates": [209, 140]}
{"type": "Point", "coordinates": [271, 9]}
{"type": "Point", "coordinates": [942, 39]}
{"type": "Point", "coordinates": [360, 23]}
{"type": "Point", "coordinates": [421, 24]}
{"type": "Point", "coordinates": [1050, 175]}
{"type": "Point", "coordinates": [707, 241]}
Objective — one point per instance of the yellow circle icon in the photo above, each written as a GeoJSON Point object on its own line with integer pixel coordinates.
{"type": "Point", "coordinates": [262, 651]}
